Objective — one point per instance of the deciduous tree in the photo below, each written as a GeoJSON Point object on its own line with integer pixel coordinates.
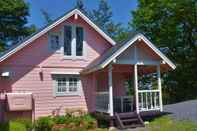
{"type": "Point", "coordinates": [173, 25]}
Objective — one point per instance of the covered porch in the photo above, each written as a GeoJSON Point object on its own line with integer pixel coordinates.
{"type": "Point", "coordinates": [121, 93]}
{"type": "Point", "coordinates": [122, 88]}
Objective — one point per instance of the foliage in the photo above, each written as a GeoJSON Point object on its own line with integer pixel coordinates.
{"type": "Point", "coordinates": [81, 7]}
{"type": "Point", "coordinates": [68, 122]}
{"type": "Point", "coordinates": [26, 122]}
{"type": "Point", "coordinates": [13, 20]}
{"type": "Point", "coordinates": [169, 124]}
{"type": "Point", "coordinates": [17, 125]}
{"type": "Point", "coordinates": [59, 119]}
{"type": "Point", "coordinates": [47, 16]}
{"type": "Point", "coordinates": [102, 15]}
{"type": "Point", "coordinates": [103, 18]}
{"type": "Point", "coordinates": [101, 120]}
{"type": "Point", "coordinates": [44, 124]}
{"type": "Point", "coordinates": [172, 24]}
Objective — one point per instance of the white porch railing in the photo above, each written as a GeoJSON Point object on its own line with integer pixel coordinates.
{"type": "Point", "coordinates": [102, 101]}
{"type": "Point", "coordinates": [149, 100]}
{"type": "Point", "coordinates": [121, 103]}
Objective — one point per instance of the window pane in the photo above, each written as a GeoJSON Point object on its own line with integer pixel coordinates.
{"type": "Point", "coordinates": [55, 44]}
{"type": "Point", "coordinates": [73, 84]}
{"type": "Point", "coordinates": [79, 41]}
{"type": "Point", "coordinates": [61, 85]}
{"type": "Point", "coordinates": [67, 40]}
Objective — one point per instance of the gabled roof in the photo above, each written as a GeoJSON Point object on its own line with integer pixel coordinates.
{"type": "Point", "coordinates": [44, 30]}
{"type": "Point", "coordinates": [117, 49]}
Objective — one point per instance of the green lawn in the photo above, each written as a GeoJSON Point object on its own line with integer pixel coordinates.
{"type": "Point", "coordinates": [168, 124]}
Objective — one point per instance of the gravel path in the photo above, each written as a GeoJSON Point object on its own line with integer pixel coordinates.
{"type": "Point", "coordinates": [183, 111]}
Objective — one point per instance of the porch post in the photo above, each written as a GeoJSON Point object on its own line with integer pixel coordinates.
{"type": "Point", "coordinates": [159, 87]}
{"type": "Point", "coordinates": [136, 88]}
{"type": "Point", "coordinates": [110, 83]}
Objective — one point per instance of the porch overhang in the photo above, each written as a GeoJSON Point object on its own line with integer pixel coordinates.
{"type": "Point", "coordinates": [112, 54]}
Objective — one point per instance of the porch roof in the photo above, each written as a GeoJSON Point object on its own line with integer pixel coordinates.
{"type": "Point", "coordinates": [117, 49]}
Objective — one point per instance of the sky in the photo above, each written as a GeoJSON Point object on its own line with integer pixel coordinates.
{"type": "Point", "coordinates": [121, 9]}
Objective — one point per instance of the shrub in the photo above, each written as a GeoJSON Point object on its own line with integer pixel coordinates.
{"type": "Point", "coordinates": [69, 122]}
{"type": "Point", "coordinates": [44, 124]}
{"type": "Point", "coordinates": [101, 120]}
{"type": "Point", "coordinates": [75, 112]}
{"type": "Point", "coordinates": [59, 119]}
{"type": "Point", "coordinates": [16, 126]}
{"type": "Point", "coordinates": [26, 122]}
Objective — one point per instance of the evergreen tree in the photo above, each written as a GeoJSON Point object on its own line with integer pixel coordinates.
{"type": "Point", "coordinates": [13, 20]}
{"type": "Point", "coordinates": [102, 15]}
{"type": "Point", "coordinates": [103, 18]}
{"type": "Point", "coordinates": [80, 6]}
{"type": "Point", "coordinates": [47, 16]}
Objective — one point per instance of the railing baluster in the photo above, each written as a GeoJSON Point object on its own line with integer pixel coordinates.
{"type": "Point", "coordinates": [121, 101]}
{"type": "Point", "coordinates": [146, 93]}
{"type": "Point", "coordinates": [155, 100]}
{"type": "Point", "coordinates": [142, 101]}
{"type": "Point", "coordinates": [158, 99]}
{"type": "Point", "coordinates": [152, 100]}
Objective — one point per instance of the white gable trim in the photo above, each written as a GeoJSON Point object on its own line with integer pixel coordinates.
{"type": "Point", "coordinates": [45, 30]}
{"type": "Point", "coordinates": [96, 27]}
{"type": "Point", "coordinates": [129, 43]}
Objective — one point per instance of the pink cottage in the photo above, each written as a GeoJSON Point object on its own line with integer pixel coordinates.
{"type": "Point", "coordinates": [72, 63]}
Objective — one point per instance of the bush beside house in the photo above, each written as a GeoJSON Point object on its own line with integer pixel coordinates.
{"type": "Point", "coordinates": [72, 121]}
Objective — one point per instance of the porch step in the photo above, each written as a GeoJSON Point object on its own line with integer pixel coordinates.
{"type": "Point", "coordinates": [128, 120]}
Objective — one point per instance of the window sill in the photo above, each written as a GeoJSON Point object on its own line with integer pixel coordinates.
{"type": "Point", "coordinates": [74, 58]}
{"type": "Point", "coordinates": [66, 94]}
{"type": "Point", "coordinates": [57, 51]}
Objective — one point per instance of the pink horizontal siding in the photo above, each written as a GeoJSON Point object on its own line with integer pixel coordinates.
{"type": "Point", "coordinates": [26, 65]}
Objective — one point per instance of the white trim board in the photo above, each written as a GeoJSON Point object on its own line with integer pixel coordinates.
{"type": "Point", "coordinates": [45, 30]}
{"type": "Point", "coordinates": [127, 45]}
{"type": "Point", "coordinates": [64, 73]}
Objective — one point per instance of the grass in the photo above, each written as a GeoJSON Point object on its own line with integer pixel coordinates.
{"type": "Point", "coordinates": [168, 124]}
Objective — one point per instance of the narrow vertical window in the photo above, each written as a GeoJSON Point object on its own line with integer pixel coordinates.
{"type": "Point", "coordinates": [54, 41]}
{"type": "Point", "coordinates": [79, 41]}
{"type": "Point", "coordinates": [67, 40]}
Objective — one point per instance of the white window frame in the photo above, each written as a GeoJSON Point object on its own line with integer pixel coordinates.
{"type": "Point", "coordinates": [60, 41]}
{"type": "Point", "coordinates": [67, 93]}
{"type": "Point", "coordinates": [73, 43]}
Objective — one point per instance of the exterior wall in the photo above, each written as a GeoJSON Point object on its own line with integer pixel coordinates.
{"type": "Point", "coordinates": [143, 53]}
{"type": "Point", "coordinates": [26, 65]}
{"type": "Point", "coordinates": [119, 75]}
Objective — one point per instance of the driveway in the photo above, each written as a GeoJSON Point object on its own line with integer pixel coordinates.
{"type": "Point", "coordinates": [183, 111]}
